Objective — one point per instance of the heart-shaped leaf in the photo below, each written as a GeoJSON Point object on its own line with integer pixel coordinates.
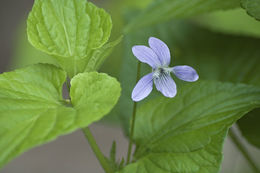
{"type": "Point", "coordinates": [73, 32]}
{"type": "Point", "coordinates": [186, 134]}
{"type": "Point", "coordinates": [33, 112]}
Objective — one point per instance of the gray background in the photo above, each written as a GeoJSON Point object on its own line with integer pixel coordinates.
{"type": "Point", "coordinates": [71, 153]}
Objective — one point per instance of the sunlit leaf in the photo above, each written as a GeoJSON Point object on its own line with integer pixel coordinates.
{"type": "Point", "coordinates": [33, 112]}
{"type": "Point", "coordinates": [71, 31]}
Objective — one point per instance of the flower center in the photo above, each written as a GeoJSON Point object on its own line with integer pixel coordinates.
{"type": "Point", "coordinates": [161, 71]}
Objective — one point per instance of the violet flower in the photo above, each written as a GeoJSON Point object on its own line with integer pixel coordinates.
{"type": "Point", "coordinates": [158, 57]}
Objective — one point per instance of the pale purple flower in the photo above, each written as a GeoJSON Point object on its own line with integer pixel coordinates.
{"type": "Point", "coordinates": [158, 57]}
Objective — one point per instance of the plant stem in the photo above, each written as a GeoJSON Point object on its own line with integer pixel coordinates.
{"type": "Point", "coordinates": [129, 152]}
{"type": "Point", "coordinates": [96, 150]}
{"type": "Point", "coordinates": [243, 150]}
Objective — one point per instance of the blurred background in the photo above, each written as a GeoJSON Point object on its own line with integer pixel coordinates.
{"type": "Point", "coordinates": [71, 153]}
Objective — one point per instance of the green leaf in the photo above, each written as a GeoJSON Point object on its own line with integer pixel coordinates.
{"type": "Point", "coordinates": [249, 126]}
{"type": "Point", "coordinates": [112, 155]}
{"type": "Point", "coordinates": [217, 56]}
{"type": "Point", "coordinates": [163, 10]}
{"type": "Point", "coordinates": [232, 22]}
{"type": "Point", "coordinates": [93, 95]}
{"type": "Point", "coordinates": [94, 62]}
{"type": "Point", "coordinates": [186, 134]}
{"type": "Point", "coordinates": [33, 112]}
{"type": "Point", "coordinates": [71, 31]}
{"type": "Point", "coordinates": [252, 7]}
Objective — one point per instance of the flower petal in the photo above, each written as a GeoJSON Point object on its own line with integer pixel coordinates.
{"type": "Point", "coordinates": [143, 87]}
{"type": "Point", "coordinates": [185, 73]}
{"type": "Point", "coordinates": [161, 49]}
{"type": "Point", "coordinates": [146, 55]}
{"type": "Point", "coordinates": [166, 85]}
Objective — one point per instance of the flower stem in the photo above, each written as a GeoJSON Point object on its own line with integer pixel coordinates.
{"type": "Point", "coordinates": [129, 152]}
{"type": "Point", "coordinates": [99, 155]}
{"type": "Point", "coordinates": [243, 150]}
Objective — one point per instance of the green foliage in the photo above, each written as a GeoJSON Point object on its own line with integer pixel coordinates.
{"type": "Point", "coordinates": [114, 164]}
{"type": "Point", "coordinates": [215, 56]}
{"type": "Point", "coordinates": [112, 156]}
{"type": "Point", "coordinates": [33, 112]}
{"type": "Point", "coordinates": [186, 134]}
{"type": "Point", "coordinates": [163, 10]}
{"type": "Point", "coordinates": [73, 32]}
{"type": "Point", "coordinates": [233, 22]}
{"type": "Point", "coordinates": [93, 95]}
{"type": "Point", "coordinates": [226, 58]}
{"type": "Point", "coordinates": [252, 7]}
{"type": "Point", "coordinates": [218, 56]}
{"type": "Point", "coordinates": [249, 126]}
{"type": "Point", "coordinates": [62, 28]}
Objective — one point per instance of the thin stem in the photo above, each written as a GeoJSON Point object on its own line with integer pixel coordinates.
{"type": "Point", "coordinates": [97, 151]}
{"type": "Point", "coordinates": [243, 150]}
{"type": "Point", "coordinates": [129, 152]}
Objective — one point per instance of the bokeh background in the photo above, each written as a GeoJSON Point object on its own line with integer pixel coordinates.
{"type": "Point", "coordinates": [71, 153]}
